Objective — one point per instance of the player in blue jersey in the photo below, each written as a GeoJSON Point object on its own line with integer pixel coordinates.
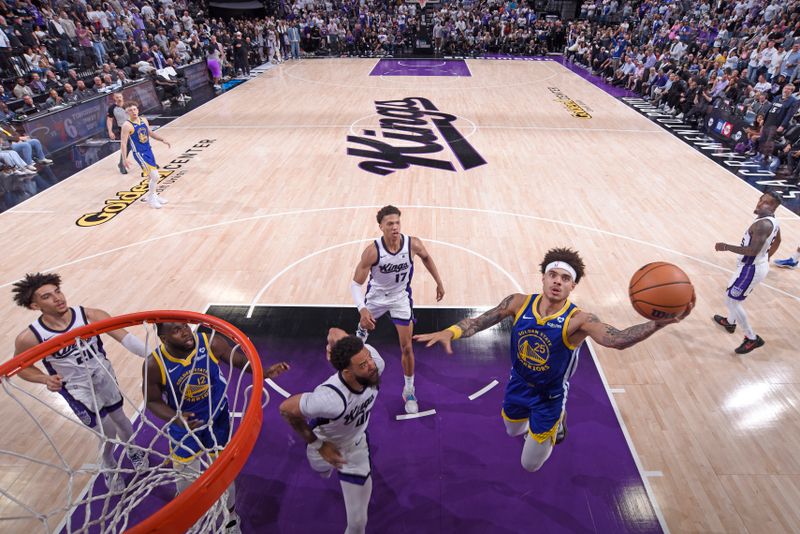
{"type": "Point", "coordinates": [184, 373]}
{"type": "Point", "coordinates": [545, 337]}
{"type": "Point", "coordinates": [135, 137]}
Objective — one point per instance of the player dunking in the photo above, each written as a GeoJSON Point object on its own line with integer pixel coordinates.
{"type": "Point", "coordinates": [183, 373]}
{"type": "Point", "coordinates": [759, 243]}
{"type": "Point", "coordinates": [389, 262]}
{"type": "Point", "coordinates": [136, 134]}
{"type": "Point", "coordinates": [340, 409]}
{"type": "Point", "coordinates": [545, 336]}
{"type": "Point", "coordinates": [83, 376]}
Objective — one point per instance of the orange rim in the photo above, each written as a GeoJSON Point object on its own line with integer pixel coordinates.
{"type": "Point", "coordinates": [183, 511]}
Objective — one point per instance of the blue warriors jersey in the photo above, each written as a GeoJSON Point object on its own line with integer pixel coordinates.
{"type": "Point", "coordinates": [195, 383]}
{"type": "Point", "coordinates": [139, 146]}
{"type": "Point", "coordinates": [540, 351]}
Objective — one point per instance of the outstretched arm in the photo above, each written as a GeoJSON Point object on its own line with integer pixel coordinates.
{"type": "Point", "coordinates": [427, 260]}
{"type": "Point", "coordinates": [759, 232]}
{"type": "Point", "coordinates": [234, 356]}
{"type": "Point", "coordinates": [472, 325]}
{"type": "Point", "coordinates": [589, 325]}
{"type": "Point", "coordinates": [128, 340]}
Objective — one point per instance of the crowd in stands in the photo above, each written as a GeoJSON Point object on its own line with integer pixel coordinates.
{"type": "Point", "coordinates": [685, 56]}
{"type": "Point", "coordinates": [689, 58]}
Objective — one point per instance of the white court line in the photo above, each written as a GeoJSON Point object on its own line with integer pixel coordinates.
{"type": "Point", "coordinates": [350, 127]}
{"type": "Point", "coordinates": [12, 210]}
{"type": "Point", "coordinates": [271, 383]}
{"type": "Point", "coordinates": [483, 390]}
{"type": "Point", "coordinates": [636, 459]}
{"type": "Point", "coordinates": [617, 390]}
{"type": "Point", "coordinates": [651, 474]}
{"type": "Point", "coordinates": [405, 416]}
{"type": "Point", "coordinates": [347, 243]}
{"type": "Point", "coordinates": [405, 206]}
{"type": "Point", "coordinates": [348, 304]}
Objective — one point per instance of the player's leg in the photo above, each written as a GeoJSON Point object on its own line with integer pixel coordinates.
{"type": "Point", "coordinates": [356, 502]}
{"type": "Point", "coordinates": [108, 395]}
{"type": "Point", "coordinates": [152, 186]}
{"type": "Point", "coordinates": [535, 453]}
{"type": "Point", "coordinates": [751, 276]}
{"type": "Point", "coordinates": [402, 313]}
{"type": "Point", "coordinates": [516, 410]}
{"type": "Point", "coordinates": [736, 288]}
{"type": "Point", "coordinates": [404, 334]}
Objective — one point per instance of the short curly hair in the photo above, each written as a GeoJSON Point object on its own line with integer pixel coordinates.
{"type": "Point", "coordinates": [387, 210]}
{"type": "Point", "coordinates": [343, 351]}
{"type": "Point", "coordinates": [24, 289]}
{"type": "Point", "coordinates": [567, 255]}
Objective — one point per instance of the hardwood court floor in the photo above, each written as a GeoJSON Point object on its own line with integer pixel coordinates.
{"type": "Point", "coordinates": [275, 204]}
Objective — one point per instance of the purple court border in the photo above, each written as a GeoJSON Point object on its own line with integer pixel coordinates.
{"type": "Point", "coordinates": [421, 67]}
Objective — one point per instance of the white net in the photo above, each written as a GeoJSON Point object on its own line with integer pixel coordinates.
{"type": "Point", "coordinates": [55, 478]}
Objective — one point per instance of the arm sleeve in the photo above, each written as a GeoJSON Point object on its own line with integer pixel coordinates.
{"type": "Point", "coordinates": [322, 402]}
{"type": "Point", "coordinates": [358, 296]}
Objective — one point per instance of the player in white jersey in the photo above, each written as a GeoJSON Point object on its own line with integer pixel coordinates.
{"type": "Point", "coordinates": [338, 410]}
{"type": "Point", "coordinates": [389, 262]}
{"type": "Point", "coordinates": [82, 375]}
{"type": "Point", "coordinates": [759, 243]}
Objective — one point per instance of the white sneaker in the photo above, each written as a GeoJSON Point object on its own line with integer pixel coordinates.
{"type": "Point", "coordinates": [153, 202]}
{"type": "Point", "coordinates": [45, 161]}
{"type": "Point", "coordinates": [161, 200]}
{"type": "Point", "coordinates": [410, 399]}
{"type": "Point", "coordinates": [31, 167]}
{"type": "Point", "coordinates": [114, 482]}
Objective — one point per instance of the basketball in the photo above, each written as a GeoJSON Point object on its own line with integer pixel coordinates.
{"type": "Point", "coordinates": [660, 290]}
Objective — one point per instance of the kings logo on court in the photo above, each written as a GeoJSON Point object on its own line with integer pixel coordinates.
{"type": "Point", "coordinates": [410, 132]}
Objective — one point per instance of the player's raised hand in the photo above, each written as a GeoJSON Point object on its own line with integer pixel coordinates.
{"type": "Point", "coordinates": [53, 382]}
{"type": "Point", "coordinates": [439, 292]}
{"type": "Point", "coordinates": [445, 337]}
{"type": "Point", "coordinates": [367, 321]}
{"type": "Point", "coordinates": [682, 316]}
{"type": "Point", "coordinates": [331, 454]}
{"type": "Point", "coordinates": [276, 370]}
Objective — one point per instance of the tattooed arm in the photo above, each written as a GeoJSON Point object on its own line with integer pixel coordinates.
{"type": "Point", "coordinates": [589, 325]}
{"type": "Point", "coordinates": [759, 232]}
{"type": "Point", "coordinates": [472, 325]}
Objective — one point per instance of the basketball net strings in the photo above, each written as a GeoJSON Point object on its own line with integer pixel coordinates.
{"type": "Point", "coordinates": [116, 506]}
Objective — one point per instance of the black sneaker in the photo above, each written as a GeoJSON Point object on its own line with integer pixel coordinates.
{"type": "Point", "coordinates": [561, 433]}
{"type": "Point", "coordinates": [122, 169]}
{"type": "Point", "coordinates": [723, 322]}
{"type": "Point", "coordinates": [749, 345]}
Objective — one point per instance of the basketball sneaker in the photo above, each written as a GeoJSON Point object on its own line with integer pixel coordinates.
{"type": "Point", "coordinates": [139, 460]}
{"type": "Point", "coordinates": [788, 263]}
{"type": "Point", "coordinates": [410, 400]}
{"type": "Point", "coordinates": [723, 322]}
{"type": "Point", "coordinates": [561, 433]}
{"type": "Point", "coordinates": [152, 201]}
{"type": "Point", "coordinates": [362, 333]}
{"type": "Point", "coordinates": [161, 200]}
{"type": "Point", "coordinates": [114, 482]}
{"type": "Point", "coordinates": [749, 345]}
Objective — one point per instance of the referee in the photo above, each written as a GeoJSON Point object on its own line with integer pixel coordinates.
{"type": "Point", "coordinates": [116, 117]}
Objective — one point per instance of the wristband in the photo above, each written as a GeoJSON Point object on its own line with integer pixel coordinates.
{"type": "Point", "coordinates": [456, 330]}
{"type": "Point", "coordinates": [316, 445]}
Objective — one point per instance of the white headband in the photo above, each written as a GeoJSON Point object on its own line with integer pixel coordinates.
{"type": "Point", "coordinates": [561, 265]}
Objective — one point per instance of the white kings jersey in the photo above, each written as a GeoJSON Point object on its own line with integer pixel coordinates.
{"type": "Point", "coordinates": [761, 257]}
{"type": "Point", "coordinates": [72, 363]}
{"type": "Point", "coordinates": [392, 273]}
{"type": "Point", "coordinates": [340, 414]}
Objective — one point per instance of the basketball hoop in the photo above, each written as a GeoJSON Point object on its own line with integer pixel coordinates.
{"type": "Point", "coordinates": [197, 508]}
